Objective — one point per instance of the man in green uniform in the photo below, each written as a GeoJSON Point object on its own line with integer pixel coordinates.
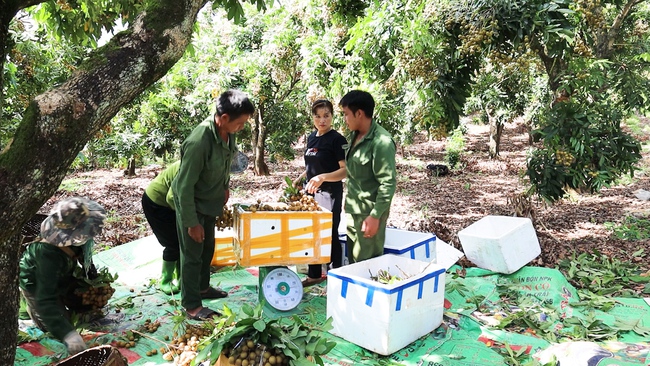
{"type": "Point", "coordinates": [47, 266]}
{"type": "Point", "coordinates": [371, 177]}
{"type": "Point", "coordinates": [200, 193]}
{"type": "Point", "coordinates": [158, 208]}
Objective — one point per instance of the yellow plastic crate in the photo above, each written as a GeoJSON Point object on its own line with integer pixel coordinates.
{"type": "Point", "coordinates": [269, 238]}
{"type": "Point", "coordinates": [224, 255]}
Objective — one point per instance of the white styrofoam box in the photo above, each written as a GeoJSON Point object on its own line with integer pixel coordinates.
{"type": "Point", "coordinates": [501, 244]}
{"type": "Point", "coordinates": [385, 318]}
{"type": "Point", "coordinates": [410, 244]}
{"type": "Point", "coordinates": [446, 255]}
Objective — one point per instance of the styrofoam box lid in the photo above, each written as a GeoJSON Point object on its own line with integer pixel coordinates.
{"type": "Point", "coordinates": [494, 227]}
{"type": "Point", "coordinates": [359, 274]}
{"type": "Point", "coordinates": [401, 241]}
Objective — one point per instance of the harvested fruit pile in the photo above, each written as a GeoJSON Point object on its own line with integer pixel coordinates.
{"type": "Point", "coordinates": [296, 198]}
{"type": "Point", "coordinates": [256, 340]}
{"type": "Point", "coordinates": [225, 220]}
{"type": "Point", "coordinates": [149, 326]}
{"type": "Point", "coordinates": [128, 341]}
{"type": "Point", "coordinates": [305, 203]}
{"type": "Point", "coordinates": [246, 352]}
{"type": "Point", "coordinates": [185, 346]}
{"type": "Point", "coordinates": [292, 199]}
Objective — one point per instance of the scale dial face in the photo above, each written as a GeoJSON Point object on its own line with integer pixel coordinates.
{"type": "Point", "coordinates": [282, 289]}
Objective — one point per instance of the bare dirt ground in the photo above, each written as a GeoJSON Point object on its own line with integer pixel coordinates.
{"type": "Point", "coordinates": [425, 203]}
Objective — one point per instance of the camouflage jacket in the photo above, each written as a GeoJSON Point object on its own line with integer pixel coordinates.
{"type": "Point", "coordinates": [46, 272]}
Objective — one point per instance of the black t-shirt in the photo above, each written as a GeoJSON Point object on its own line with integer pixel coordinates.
{"type": "Point", "coordinates": [323, 154]}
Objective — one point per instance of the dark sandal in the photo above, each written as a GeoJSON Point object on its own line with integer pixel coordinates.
{"type": "Point", "coordinates": [213, 293]}
{"type": "Point", "coordinates": [308, 281]}
{"type": "Point", "coordinates": [204, 314]}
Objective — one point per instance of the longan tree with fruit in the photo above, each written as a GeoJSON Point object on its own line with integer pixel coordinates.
{"type": "Point", "coordinates": [574, 69]}
{"type": "Point", "coordinates": [593, 56]}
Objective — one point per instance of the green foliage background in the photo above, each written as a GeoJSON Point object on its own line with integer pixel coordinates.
{"type": "Point", "coordinates": [573, 70]}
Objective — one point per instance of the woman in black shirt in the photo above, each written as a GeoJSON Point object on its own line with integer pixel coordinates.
{"type": "Point", "coordinates": [325, 168]}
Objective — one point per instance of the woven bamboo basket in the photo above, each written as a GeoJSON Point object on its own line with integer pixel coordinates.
{"type": "Point", "coordinates": [96, 356]}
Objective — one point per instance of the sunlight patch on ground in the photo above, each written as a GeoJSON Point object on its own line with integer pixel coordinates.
{"type": "Point", "coordinates": [411, 162]}
{"type": "Point", "coordinates": [587, 230]}
{"type": "Point", "coordinates": [491, 166]}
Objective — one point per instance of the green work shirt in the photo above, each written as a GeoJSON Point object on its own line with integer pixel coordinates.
{"type": "Point", "coordinates": [204, 174]}
{"type": "Point", "coordinates": [46, 272]}
{"type": "Point", "coordinates": [159, 190]}
{"type": "Point", "coordinates": [371, 173]}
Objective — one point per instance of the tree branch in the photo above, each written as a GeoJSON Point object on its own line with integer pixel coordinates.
{"type": "Point", "coordinates": [605, 45]}
{"type": "Point", "coordinates": [28, 3]}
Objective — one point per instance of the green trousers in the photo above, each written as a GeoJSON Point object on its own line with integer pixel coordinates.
{"type": "Point", "coordinates": [360, 248]}
{"type": "Point", "coordinates": [195, 261]}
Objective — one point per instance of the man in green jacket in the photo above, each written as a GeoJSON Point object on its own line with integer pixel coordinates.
{"type": "Point", "coordinates": [158, 208]}
{"type": "Point", "coordinates": [48, 264]}
{"type": "Point", "coordinates": [371, 177]}
{"type": "Point", "coordinates": [200, 193]}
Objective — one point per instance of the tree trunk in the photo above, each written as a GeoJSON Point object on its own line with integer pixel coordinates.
{"type": "Point", "coordinates": [259, 135]}
{"type": "Point", "coordinates": [496, 129]}
{"type": "Point", "coordinates": [58, 123]}
{"type": "Point", "coordinates": [10, 249]}
{"type": "Point", "coordinates": [130, 169]}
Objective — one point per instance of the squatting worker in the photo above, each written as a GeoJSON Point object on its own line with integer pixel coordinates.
{"type": "Point", "coordinates": [200, 193]}
{"type": "Point", "coordinates": [324, 170]}
{"type": "Point", "coordinates": [48, 264]}
{"type": "Point", "coordinates": [158, 208]}
{"type": "Point", "coordinates": [371, 177]}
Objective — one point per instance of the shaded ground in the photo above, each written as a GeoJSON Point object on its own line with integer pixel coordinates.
{"type": "Point", "coordinates": [442, 205]}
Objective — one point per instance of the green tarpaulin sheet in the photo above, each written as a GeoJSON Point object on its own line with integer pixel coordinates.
{"type": "Point", "coordinates": [467, 336]}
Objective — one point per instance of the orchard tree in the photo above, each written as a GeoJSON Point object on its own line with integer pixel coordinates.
{"type": "Point", "coordinates": [401, 52]}
{"type": "Point", "coordinates": [57, 123]}
{"type": "Point", "coordinates": [424, 58]}
{"type": "Point", "coordinates": [503, 89]}
{"type": "Point", "coordinates": [263, 58]}
{"type": "Point", "coordinates": [591, 52]}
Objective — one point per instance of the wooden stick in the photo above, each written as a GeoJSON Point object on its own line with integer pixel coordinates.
{"type": "Point", "coordinates": [169, 346]}
{"type": "Point", "coordinates": [404, 273]}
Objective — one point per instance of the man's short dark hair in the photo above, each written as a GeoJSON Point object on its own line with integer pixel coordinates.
{"type": "Point", "coordinates": [234, 103]}
{"type": "Point", "coordinates": [358, 99]}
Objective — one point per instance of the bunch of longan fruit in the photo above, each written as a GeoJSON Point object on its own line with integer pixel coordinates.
{"type": "Point", "coordinates": [304, 203]}
{"type": "Point", "coordinates": [564, 158]}
{"type": "Point", "coordinates": [97, 297]}
{"type": "Point", "coordinates": [225, 220]}
{"type": "Point", "coordinates": [247, 353]}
